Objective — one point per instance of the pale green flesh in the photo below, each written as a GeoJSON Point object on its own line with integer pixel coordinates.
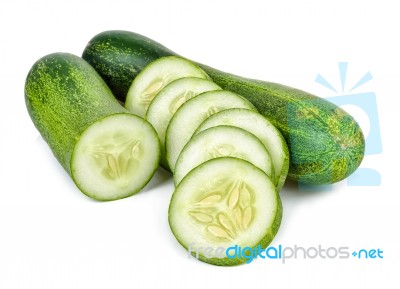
{"type": "Point", "coordinates": [115, 157]}
{"type": "Point", "coordinates": [154, 78]}
{"type": "Point", "coordinates": [192, 113]}
{"type": "Point", "coordinates": [222, 141]}
{"type": "Point", "coordinates": [221, 203]}
{"type": "Point", "coordinates": [265, 131]}
{"type": "Point", "coordinates": [169, 99]}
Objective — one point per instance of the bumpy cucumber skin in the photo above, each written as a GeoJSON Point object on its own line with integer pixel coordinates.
{"type": "Point", "coordinates": [64, 95]}
{"type": "Point", "coordinates": [264, 242]}
{"type": "Point", "coordinates": [325, 143]}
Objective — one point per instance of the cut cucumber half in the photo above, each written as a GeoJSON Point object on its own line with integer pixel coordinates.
{"type": "Point", "coordinates": [115, 157]}
{"type": "Point", "coordinates": [154, 77]}
{"type": "Point", "coordinates": [108, 152]}
{"type": "Point", "coordinates": [263, 129]}
{"type": "Point", "coordinates": [169, 99]}
{"type": "Point", "coordinates": [222, 141]}
{"type": "Point", "coordinates": [192, 113]}
{"type": "Point", "coordinates": [224, 202]}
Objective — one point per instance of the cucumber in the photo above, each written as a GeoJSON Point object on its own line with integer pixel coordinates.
{"type": "Point", "coordinates": [167, 102]}
{"type": "Point", "coordinates": [239, 205]}
{"type": "Point", "coordinates": [222, 141]}
{"type": "Point", "coordinates": [192, 113]}
{"type": "Point", "coordinates": [154, 77]}
{"type": "Point", "coordinates": [325, 143]}
{"type": "Point", "coordinates": [262, 128]}
{"type": "Point", "coordinates": [119, 56]}
{"type": "Point", "coordinates": [109, 153]}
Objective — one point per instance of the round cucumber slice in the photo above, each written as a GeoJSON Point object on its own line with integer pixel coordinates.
{"type": "Point", "coordinates": [154, 77]}
{"type": "Point", "coordinates": [115, 157]}
{"type": "Point", "coordinates": [192, 113]}
{"type": "Point", "coordinates": [224, 202]}
{"type": "Point", "coordinates": [222, 141]}
{"type": "Point", "coordinates": [263, 129]}
{"type": "Point", "coordinates": [167, 102]}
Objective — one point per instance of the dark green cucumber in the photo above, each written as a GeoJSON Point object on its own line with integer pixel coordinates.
{"type": "Point", "coordinates": [109, 153]}
{"type": "Point", "coordinates": [325, 143]}
{"type": "Point", "coordinates": [122, 56]}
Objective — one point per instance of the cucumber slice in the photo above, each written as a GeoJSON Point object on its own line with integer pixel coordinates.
{"type": "Point", "coordinates": [154, 77]}
{"type": "Point", "coordinates": [192, 113]}
{"type": "Point", "coordinates": [222, 203]}
{"type": "Point", "coordinates": [222, 141]}
{"type": "Point", "coordinates": [115, 157]}
{"type": "Point", "coordinates": [169, 99]}
{"type": "Point", "coordinates": [263, 129]}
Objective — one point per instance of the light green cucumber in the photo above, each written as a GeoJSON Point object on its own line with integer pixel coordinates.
{"type": "Point", "coordinates": [154, 77]}
{"type": "Point", "coordinates": [192, 113]}
{"type": "Point", "coordinates": [263, 129]}
{"type": "Point", "coordinates": [222, 141]}
{"type": "Point", "coordinates": [167, 102]}
{"type": "Point", "coordinates": [223, 203]}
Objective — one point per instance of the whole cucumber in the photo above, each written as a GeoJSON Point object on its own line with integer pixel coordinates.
{"type": "Point", "coordinates": [326, 144]}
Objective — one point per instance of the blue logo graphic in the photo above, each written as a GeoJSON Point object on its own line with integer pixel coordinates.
{"type": "Point", "coordinates": [283, 253]}
{"type": "Point", "coordinates": [366, 102]}
{"type": "Point", "coordinates": [297, 252]}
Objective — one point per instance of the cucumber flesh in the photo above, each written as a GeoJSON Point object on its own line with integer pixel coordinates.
{"type": "Point", "coordinates": [222, 141]}
{"type": "Point", "coordinates": [222, 203]}
{"type": "Point", "coordinates": [167, 102]}
{"type": "Point", "coordinates": [263, 129]}
{"type": "Point", "coordinates": [115, 157]}
{"type": "Point", "coordinates": [192, 113]}
{"type": "Point", "coordinates": [154, 77]}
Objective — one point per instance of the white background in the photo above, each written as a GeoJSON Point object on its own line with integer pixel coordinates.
{"type": "Point", "coordinates": [52, 236]}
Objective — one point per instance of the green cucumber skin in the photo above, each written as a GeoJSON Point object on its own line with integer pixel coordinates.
{"type": "Point", "coordinates": [118, 56]}
{"type": "Point", "coordinates": [325, 143]}
{"type": "Point", "coordinates": [64, 95]}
